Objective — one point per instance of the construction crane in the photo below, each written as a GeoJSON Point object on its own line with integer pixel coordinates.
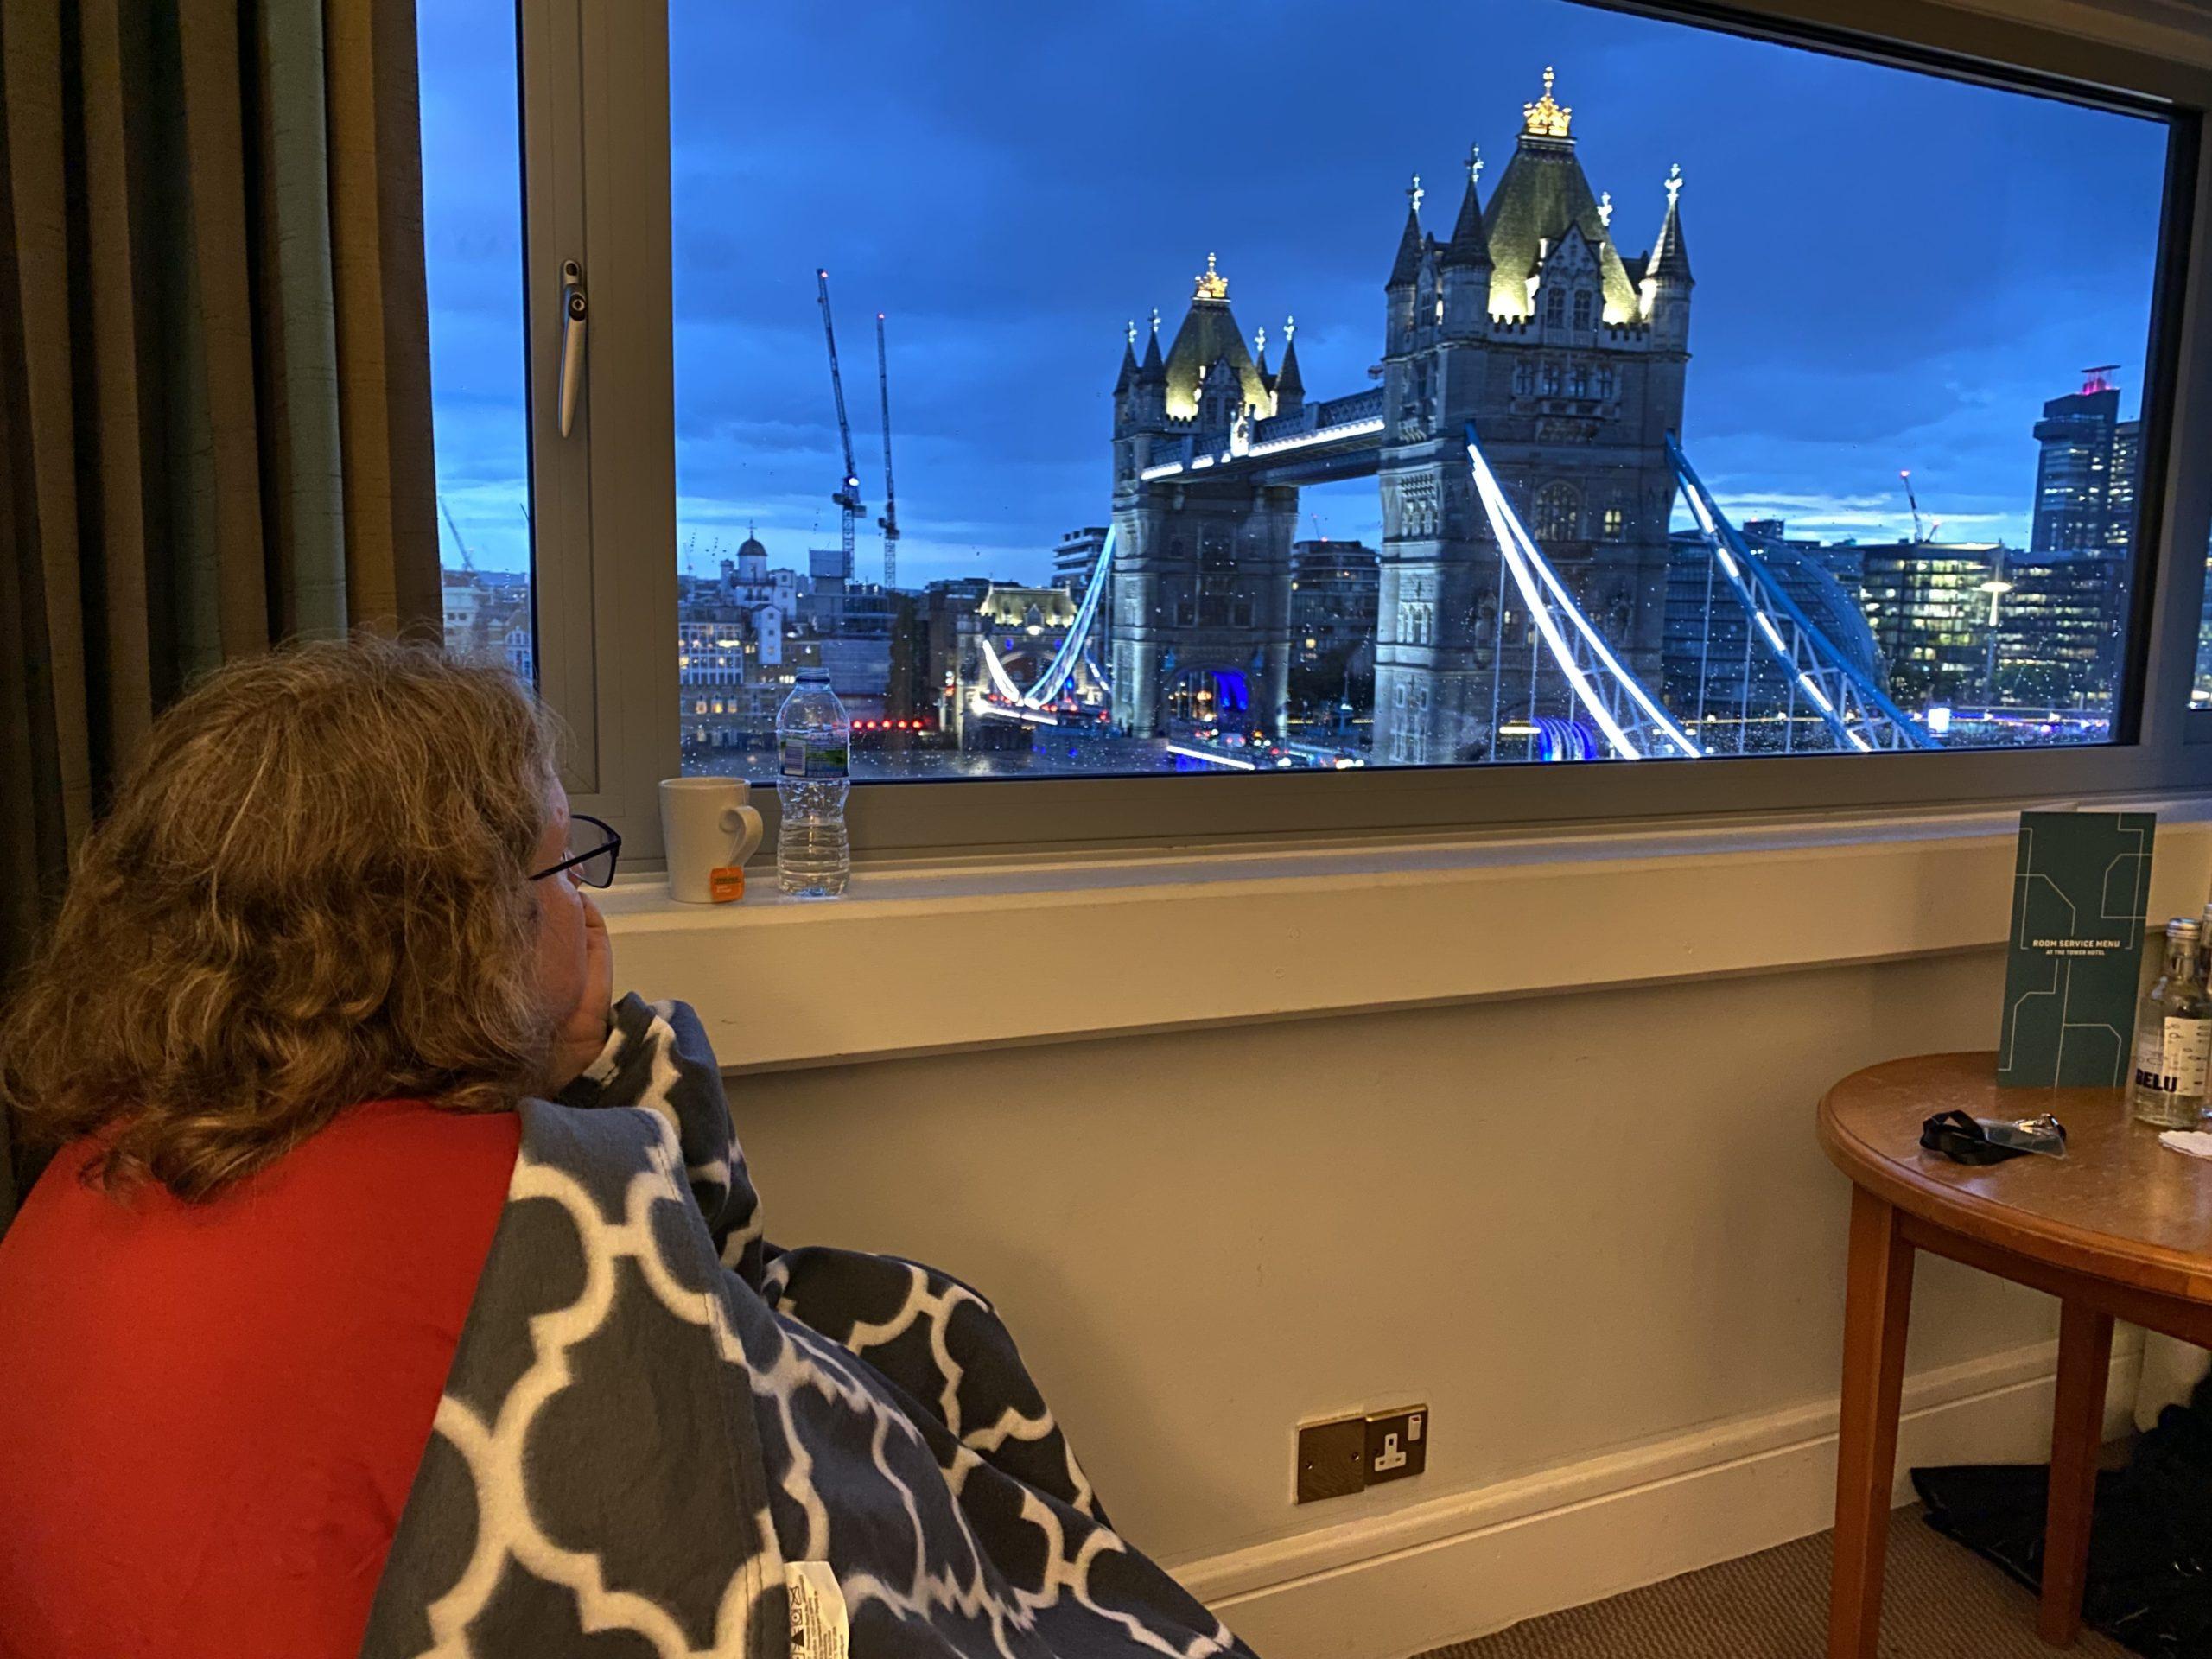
{"type": "Point", "coordinates": [848, 495]}
{"type": "Point", "coordinates": [889, 523]}
{"type": "Point", "coordinates": [467, 563]}
{"type": "Point", "coordinates": [1913, 501]}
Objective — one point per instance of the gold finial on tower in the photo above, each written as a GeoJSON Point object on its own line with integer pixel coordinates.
{"type": "Point", "coordinates": [1544, 118]}
{"type": "Point", "coordinates": [1674, 185]}
{"type": "Point", "coordinates": [1260, 340]}
{"type": "Point", "coordinates": [1213, 285]}
{"type": "Point", "coordinates": [1132, 333]}
{"type": "Point", "coordinates": [1414, 193]}
{"type": "Point", "coordinates": [1474, 164]}
{"type": "Point", "coordinates": [1289, 328]}
{"type": "Point", "coordinates": [1606, 209]}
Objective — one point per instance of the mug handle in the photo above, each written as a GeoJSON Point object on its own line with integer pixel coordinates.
{"type": "Point", "coordinates": [749, 816]}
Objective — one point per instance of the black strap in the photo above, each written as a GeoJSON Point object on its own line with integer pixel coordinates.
{"type": "Point", "coordinates": [1958, 1137]}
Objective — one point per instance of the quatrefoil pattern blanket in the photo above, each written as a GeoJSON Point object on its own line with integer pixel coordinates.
{"type": "Point", "coordinates": [651, 1411]}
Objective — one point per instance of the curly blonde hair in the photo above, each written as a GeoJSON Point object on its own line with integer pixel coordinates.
{"type": "Point", "coordinates": [311, 891]}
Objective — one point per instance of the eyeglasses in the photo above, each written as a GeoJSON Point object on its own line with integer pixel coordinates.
{"type": "Point", "coordinates": [594, 866]}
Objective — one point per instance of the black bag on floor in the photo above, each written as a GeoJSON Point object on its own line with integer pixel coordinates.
{"type": "Point", "coordinates": [2149, 1580]}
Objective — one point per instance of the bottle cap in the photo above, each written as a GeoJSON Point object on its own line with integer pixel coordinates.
{"type": "Point", "coordinates": [2184, 930]}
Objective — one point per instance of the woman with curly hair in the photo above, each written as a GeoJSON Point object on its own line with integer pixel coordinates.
{"type": "Point", "coordinates": [394, 1289]}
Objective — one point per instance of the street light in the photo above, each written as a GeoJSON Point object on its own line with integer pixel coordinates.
{"type": "Point", "coordinates": [1994, 587]}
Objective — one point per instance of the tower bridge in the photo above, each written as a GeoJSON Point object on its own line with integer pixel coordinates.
{"type": "Point", "coordinates": [1525, 320]}
{"type": "Point", "coordinates": [1522, 439]}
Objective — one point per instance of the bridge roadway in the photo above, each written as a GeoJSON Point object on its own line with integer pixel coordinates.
{"type": "Point", "coordinates": [1324, 443]}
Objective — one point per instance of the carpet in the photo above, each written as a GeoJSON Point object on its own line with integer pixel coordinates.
{"type": "Point", "coordinates": [1940, 1602]}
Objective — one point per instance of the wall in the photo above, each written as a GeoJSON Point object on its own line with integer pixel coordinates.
{"type": "Point", "coordinates": [1573, 1223]}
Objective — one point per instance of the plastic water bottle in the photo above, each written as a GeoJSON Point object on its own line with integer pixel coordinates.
{"type": "Point", "coordinates": [814, 744]}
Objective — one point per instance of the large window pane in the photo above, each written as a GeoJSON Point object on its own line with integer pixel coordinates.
{"type": "Point", "coordinates": [1231, 290]}
{"type": "Point", "coordinates": [472, 225]}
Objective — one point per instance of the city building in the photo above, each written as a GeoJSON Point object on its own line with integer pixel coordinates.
{"type": "Point", "coordinates": [738, 644]}
{"type": "Point", "coordinates": [852, 641]}
{"type": "Point", "coordinates": [822, 602]}
{"type": "Point", "coordinates": [2060, 623]}
{"type": "Point", "coordinates": [1334, 590]}
{"type": "Point", "coordinates": [710, 661]}
{"type": "Point", "coordinates": [2085, 471]}
{"type": "Point", "coordinates": [1076, 556]}
{"type": "Point", "coordinates": [522, 653]}
{"type": "Point", "coordinates": [1928, 607]}
{"type": "Point", "coordinates": [483, 610]}
{"type": "Point", "coordinates": [2072, 611]}
{"type": "Point", "coordinates": [951, 623]}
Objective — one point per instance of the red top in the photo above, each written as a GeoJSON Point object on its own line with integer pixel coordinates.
{"type": "Point", "coordinates": [210, 1415]}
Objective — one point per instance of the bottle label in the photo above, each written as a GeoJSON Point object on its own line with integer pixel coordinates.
{"type": "Point", "coordinates": [804, 760]}
{"type": "Point", "coordinates": [2184, 1056]}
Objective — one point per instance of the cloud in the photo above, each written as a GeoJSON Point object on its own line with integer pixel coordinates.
{"type": "Point", "coordinates": [1893, 269]}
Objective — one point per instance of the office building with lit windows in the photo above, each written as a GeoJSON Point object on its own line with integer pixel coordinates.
{"type": "Point", "coordinates": [1334, 587]}
{"type": "Point", "coordinates": [2060, 625]}
{"type": "Point", "coordinates": [1927, 604]}
{"type": "Point", "coordinates": [2085, 473]}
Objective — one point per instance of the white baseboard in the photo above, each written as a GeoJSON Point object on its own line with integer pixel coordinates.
{"type": "Point", "coordinates": [1383, 1586]}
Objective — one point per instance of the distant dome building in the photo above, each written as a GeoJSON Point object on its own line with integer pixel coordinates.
{"type": "Point", "coordinates": [752, 560]}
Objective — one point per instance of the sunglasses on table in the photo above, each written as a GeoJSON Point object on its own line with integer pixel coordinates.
{"type": "Point", "coordinates": [593, 849]}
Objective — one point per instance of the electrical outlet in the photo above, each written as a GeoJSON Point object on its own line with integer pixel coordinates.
{"type": "Point", "coordinates": [1397, 1445]}
{"type": "Point", "coordinates": [1331, 1458]}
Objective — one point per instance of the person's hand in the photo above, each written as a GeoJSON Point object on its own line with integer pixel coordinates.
{"type": "Point", "coordinates": [581, 1035]}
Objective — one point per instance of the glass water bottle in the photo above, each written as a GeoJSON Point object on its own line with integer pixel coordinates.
{"type": "Point", "coordinates": [2173, 1037]}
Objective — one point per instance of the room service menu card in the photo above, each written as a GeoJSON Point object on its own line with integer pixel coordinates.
{"type": "Point", "coordinates": [2080, 883]}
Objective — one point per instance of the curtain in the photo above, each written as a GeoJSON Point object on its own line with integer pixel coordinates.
{"type": "Point", "coordinates": [214, 376]}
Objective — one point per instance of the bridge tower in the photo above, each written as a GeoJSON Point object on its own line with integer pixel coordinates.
{"type": "Point", "coordinates": [1200, 585]}
{"type": "Point", "coordinates": [1527, 321]}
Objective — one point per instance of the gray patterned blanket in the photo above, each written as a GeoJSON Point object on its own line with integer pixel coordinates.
{"type": "Point", "coordinates": [655, 1421]}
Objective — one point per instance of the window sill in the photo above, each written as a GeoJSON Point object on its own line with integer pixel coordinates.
{"type": "Point", "coordinates": [924, 958]}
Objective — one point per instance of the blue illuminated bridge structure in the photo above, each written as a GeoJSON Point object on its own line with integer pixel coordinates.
{"type": "Point", "coordinates": [1619, 716]}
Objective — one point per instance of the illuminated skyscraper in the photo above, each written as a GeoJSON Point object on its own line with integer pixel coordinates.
{"type": "Point", "coordinates": [2085, 476]}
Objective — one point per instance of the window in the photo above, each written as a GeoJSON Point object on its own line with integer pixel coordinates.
{"type": "Point", "coordinates": [1109, 556]}
{"type": "Point", "coordinates": [472, 238]}
{"type": "Point", "coordinates": [1558, 509]}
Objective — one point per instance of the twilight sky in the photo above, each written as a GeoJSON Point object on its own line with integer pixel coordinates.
{"type": "Point", "coordinates": [1892, 270]}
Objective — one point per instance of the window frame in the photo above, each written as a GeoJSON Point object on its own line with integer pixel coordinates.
{"type": "Point", "coordinates": [596, 170]}
{"type": "Point", "coordinates": [595, 190]}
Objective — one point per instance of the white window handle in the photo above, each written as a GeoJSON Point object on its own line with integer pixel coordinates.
{"type": "Point", "coordinates": [572, 342]}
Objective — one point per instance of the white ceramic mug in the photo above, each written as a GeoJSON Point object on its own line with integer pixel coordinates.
{"type": "Point", "coordinates": [705, 826]}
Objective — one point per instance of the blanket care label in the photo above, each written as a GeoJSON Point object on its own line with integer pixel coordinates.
{"type": "Point", "coordinates": [818, 1624]}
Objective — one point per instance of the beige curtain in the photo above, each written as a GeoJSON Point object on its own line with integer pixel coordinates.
{"type": "Point", "coordinates": [215, 375]}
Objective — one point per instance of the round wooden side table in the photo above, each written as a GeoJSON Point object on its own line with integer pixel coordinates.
{"type": "Point", "coordinates": [2121, 1227]}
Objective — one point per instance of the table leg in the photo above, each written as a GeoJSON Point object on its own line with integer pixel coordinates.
{"type": "Point", "coordinates": [2076, 1431]}
{"type": "Point", "coordinates": [1877, 1306]}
